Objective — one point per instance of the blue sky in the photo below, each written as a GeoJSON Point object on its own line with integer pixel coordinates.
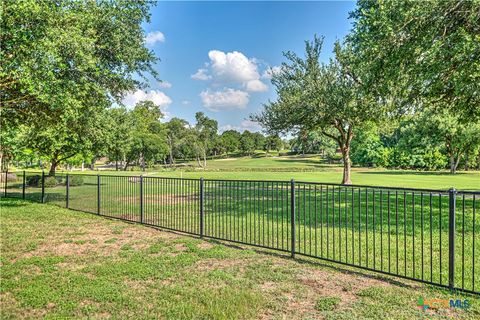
{"type": "Point", "coordinates": [215, 56]}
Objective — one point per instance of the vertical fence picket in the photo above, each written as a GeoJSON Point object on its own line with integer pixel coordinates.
{"type": "Point", "coordinates": [292, 216]}
{"type": "Point", "coordinates": [451, 237]}
{"type": "Point", "coordinates": [67, 195]}
{"type": "Point", "coordinates": [202, 213]}
{"type": "Point", "coordinates": [23, 185]}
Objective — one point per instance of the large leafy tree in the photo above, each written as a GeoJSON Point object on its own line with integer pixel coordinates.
{"type": "Point", "coordinates": [63, 59]}
{"type": "Point", "coordinates": [148, 135]}
{"type": "Point", "coordinates": [247, 143]}
{"type": "Point", "coordinates": [82, 132]}
{"type": "Point", "coordinates": [410, 49]}
{"type": "Point", "coordinates": [231, 140]}
{"type": "Point", "coordinates": [120, 135]}
{"type": "Point", "coordinates": [318, 97]}
{"type": "Point", "coordinates": [204, 138]}
{"type": "Point", "coordinates": [177, 136]}
{"type": "Point", "coordinates": [459, 139]}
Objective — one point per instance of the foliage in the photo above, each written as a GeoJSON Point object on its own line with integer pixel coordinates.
{"type": "Point", "coordinates": [203, 137]}
{"type": "Point", "coordinates": [411, 51]}
{"type": "Point", "coordinates": [314, 96]}
{"type": "Point", "coordinates": [247, 143]}
{"type": "Point", "coordinates": [33, 181]}
{"type": "Point", "coordinates": [50, 182]}
{"type": "Point", "coordinates": [75, 180]}
{"type": "Point", "coordinates": [63, 63]}
{"type": "Point", "coordinates": [147, 133]}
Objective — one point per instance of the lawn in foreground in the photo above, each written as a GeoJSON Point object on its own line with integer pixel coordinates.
{"type": "Point", "coordinates": [61, 263]}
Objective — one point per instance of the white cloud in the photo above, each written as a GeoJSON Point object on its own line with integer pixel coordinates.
{"type": "Point", "coordinates": [154, 37]}
{"type": "Point", "coordinates": [244, 125]}
{"type": "Point", "coordinates": [201, 74]}
{"type": "Point", "coordinates": [185, 102]}
{"type": "Point", "coordinates": [164, 84]}
{"type": "Point", "coordinates": [157, 97]}
{"type": "Point", "coordinates": [227, 99]}
{"type": "Point", "coordinates": [269, 72]}
{"type": "Point", "coordinates": [231, 68]}
{"type": "Point", "coordinates": [256, 86]}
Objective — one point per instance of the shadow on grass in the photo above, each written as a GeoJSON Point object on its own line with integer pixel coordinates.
{"type": "Point", "coordinates": [13, 202]}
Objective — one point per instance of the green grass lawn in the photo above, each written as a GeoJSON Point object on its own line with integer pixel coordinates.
{"type": "Point", "coordinates": [57, 263]}
{"type": "Point", "coordinates": [311, 168]}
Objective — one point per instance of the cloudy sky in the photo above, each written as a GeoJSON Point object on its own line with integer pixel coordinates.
{"type": "Point", "coordinates": [217, 57]}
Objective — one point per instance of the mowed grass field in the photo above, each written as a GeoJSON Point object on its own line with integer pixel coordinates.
{"type": "Point", "coordinates": [312, 169]}
{"type": "Point", "coordinates": [57, 263]}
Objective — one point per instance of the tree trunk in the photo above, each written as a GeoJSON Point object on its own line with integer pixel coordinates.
{"type": "Point", "coordinates": [466, 162]}
{"type": "Point", "coordinates": [142, 161]}
{"type": "Point", "coordinates": [347, 165]}
{"type": "Point", "coordinates": [116, 165]}
{"type": "Point", "coordinates": [198, 161]}
{"type": "Point", "coordinates": [53, 167]}
{"type": "Point", "coordinates": [453, 164]}
{"type": "Point", "coordinates": [205, 160]}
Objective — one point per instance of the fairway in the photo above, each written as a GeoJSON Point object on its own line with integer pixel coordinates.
{"type": "Point", "coordinates": [59, 263]}
{"type": "Point", "coordinates": [312, 169]}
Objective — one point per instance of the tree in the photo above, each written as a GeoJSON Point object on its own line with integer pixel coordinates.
{"type": "Point", "coordinates": [231, 140]}
{"type": "Point", "coordinates": [204, 138]}
{"type": "Point", "coordinates": [314, 142]}
{"type": "Point", "coordinates": [247, 143]}
{"type": "Point", "coordinates": [148, 135]}
{"type": "Point", "coordinates": [176, 137]}
{"type": "Point", "coordinates": [259, 140]}
{"type": "Point", "coordinates": [121, 135]}
{"type": "Point", "coordinates": [411, 50]}
{"type": "Point", "coordinates": [459, 138]}
{"type": "Point", "coordinates": [62, 60]}
{"type": "Point", "coordinates": [314, 96]}
{"type": "Point", "coordinates": [59, 139]}
{"type": "Point", "coordinates": [273, 142]}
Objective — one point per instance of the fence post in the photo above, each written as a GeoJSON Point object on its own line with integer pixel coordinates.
{"type": "Point", "coordinates": [43, 186]}
{"type": "Point", "coordinates": [23, 185]}
{"type": "Point", "coordinates": [451, 237]}
{"type": "Point", "coordinates": [292, 216]}
{"type": "Point", "coordinates": [202, 213]}
{"type": "Point", "coordinates": [67, 184]}
{"type": "Point", "coordinates": [141, 200]}
{"type": "Point", "coordinates": [98, 194]}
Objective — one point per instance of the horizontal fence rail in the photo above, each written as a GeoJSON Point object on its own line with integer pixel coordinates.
{"type": "Point", "coordinates": [431, 236]}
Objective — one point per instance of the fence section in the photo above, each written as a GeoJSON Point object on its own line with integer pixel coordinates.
{"type": "Point", "coordinates": [432, 236]}
{"type": "Point", "coordinates": [251, 212]}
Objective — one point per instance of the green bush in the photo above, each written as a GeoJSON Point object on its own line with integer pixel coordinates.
{"type": "Point", "coordinates": [75, 181]}
{"type": "Point", "coordinates": [34, 181]}
{"type": "Point", "coordinates": [50, 182]}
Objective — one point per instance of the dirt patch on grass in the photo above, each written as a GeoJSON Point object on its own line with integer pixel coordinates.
{"type": "Point", "coordinates": [205, 246]}
{"type": "Point", "coordinates": [96, 238]}
{"type": "Point", "coordinates": [219, 264]}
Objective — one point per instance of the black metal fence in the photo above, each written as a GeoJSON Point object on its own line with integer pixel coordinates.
{"type": "Point", "coordinates": [425, 235]}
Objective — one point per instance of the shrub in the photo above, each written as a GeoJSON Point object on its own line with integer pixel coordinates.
{"type": "Point", "coordinates": [50, 182]}
{"type": "Point", "coordinates": [34, 181]}
{"type": "Point", "coordinates": [75, 181]}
